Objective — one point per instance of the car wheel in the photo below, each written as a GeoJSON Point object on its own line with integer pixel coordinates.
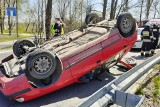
{"type": "Point", "coordinates": [40, 64]}
{"type": "Point", "coordinates": [18, 47]}
{"type": "Point", "coordinates": [126, 24]}
{"type": "Point", "coordinates": [92, 17]}
{"type": "Point", "coordinates": [131, 61]}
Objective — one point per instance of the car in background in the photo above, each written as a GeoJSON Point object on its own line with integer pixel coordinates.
{"type": "Point", "coordinates": [138, 43]}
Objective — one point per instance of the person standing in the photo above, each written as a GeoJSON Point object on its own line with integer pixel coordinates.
{"type": "Point", "coordinates": [155, 31]}
{"type": "Point", "coordinates": [57, 28]}
{"type": "Point", "coordinates": [147, 39]}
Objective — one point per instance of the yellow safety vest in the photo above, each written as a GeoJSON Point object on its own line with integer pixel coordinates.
{"type": "Point", "coordinates": [53, 30]}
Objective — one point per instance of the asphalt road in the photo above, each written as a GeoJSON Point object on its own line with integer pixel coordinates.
{"type": "Point", "coordinates": [6, 44]}
{"type": "Point", "coordinates": [4, 54]}
{"type": "Point", "coordinates": [72, 95]}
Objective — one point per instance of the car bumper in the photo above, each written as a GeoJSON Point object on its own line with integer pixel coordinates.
{"type": "Point", "coordinates": [21, 90]}
{"type": "Point", "coordinates": [137, 45]}
{"type": "Point", "coordinates": [15, 88]}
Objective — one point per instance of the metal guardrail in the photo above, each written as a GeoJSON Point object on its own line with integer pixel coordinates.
{"type": "Point", "coordinates": [108, 93]}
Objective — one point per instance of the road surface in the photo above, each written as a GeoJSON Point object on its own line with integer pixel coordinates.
{"type": "Point", "coordinates": [69, 96]}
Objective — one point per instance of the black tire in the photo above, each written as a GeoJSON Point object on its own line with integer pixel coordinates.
{"type": "Point", "coordinates": [40, 64]}
{"type": "Point", "coordinates": [18, 49]}
{"type": "Point", "coordinates": [92, 16]}
{"type": "Point", "coordinates": [126, 24]}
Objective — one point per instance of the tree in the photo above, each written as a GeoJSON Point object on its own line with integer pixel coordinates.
{"type": "Point", "coordinates": [155, 4]}
{"type": "Point", "coordinates": [148, 6]}
{"type": "Point", "coordinates": [125, 8]}
{"type": "Point", "coordinates": [142, 1]}
{"type": "Point", "coordinates": [63, 5]}
{"type": "Point", "coordinates": [9, 18]}
{"type": "Point", "coordinates": [48, 18]}
{"type": "Point", "coordinates": [104, 9]}
{"type": "Point", "coordinates": [113, 9]}
{"type": "Point", "coordinates": [1, 21]}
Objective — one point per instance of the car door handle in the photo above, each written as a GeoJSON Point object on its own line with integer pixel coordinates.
{"type": "Point", "coordinates": [98, 61]}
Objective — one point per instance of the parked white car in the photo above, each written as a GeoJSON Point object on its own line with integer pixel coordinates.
{"type": "Point", "coordinates": [138, 43]}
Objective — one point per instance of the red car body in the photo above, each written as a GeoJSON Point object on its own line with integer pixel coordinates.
{"type": "Point", "coordinates": [75, 64]}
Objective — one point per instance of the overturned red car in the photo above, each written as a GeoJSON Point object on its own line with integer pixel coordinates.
{"type": "Point", "coordinates": [35, 71]}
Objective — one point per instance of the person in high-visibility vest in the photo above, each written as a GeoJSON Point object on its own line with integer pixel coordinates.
{"type": "Point", "coordinates": [57, 27]}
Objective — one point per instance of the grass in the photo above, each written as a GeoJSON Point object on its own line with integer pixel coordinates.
{"type": "Point", "coordinates": [157, 67]}
{"type": "Point", "coordinates": [156, 91]}
{"type": "Point", "coordinates": [5, 38]}
{"type": "Point", "coordinates": [21, 29]}
{"type": "Point", "coordinates": [156, 81]}
{"type": "Point", "coordinates": [140, 91]}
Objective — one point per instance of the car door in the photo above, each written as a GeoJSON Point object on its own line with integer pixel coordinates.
{"type": "Point", "coordinates": [111, 47]}
{"type": "Point", "coordinates": [86, 61]}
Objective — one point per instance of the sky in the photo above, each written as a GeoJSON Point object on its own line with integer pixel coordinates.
{"type": "Point", "coordinates": [97, 6]}
{"type": "Point", "coordinates": [134, 11]}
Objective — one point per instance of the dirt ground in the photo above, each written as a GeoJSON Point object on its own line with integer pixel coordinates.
{"type": "Point", "coordinates": [148, 87]}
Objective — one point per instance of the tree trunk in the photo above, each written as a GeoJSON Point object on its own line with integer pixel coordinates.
{"type": "Point", "coordinates": [112, 9]}
{"type": "Point", "coordinates": [48, 18]}
{"type": "Point", "coordinates": [9, 20]}
{"type": "Point", "coordinates": [148, 6]}
{"type": "Point", "coordinates": [1, 24]}
{"type": "Point", "coordinates": [119, 9]}
{"type": "Point", "coordinates": [115, 8]}
{"type": "Point", "coordinates": [104, 9]}
{"type": "Point", "coordinates": [33, 26]}
{"type": "Point", "coordinates": [17, 18]}
{"type": "Point", "coordinates": [4, 14]}
{"type": "Point", "coordinates": [81, 3]}
{"type": "Point", "coordinates": [154, 13]}
{"type": "Point", "coordinates": [28, 25]}
{"type": "Point", "coordinates": [141, 12]}
{"type": "Point", "coordinates": [9, 25]}
{"type": "Point", "coordinates": [125, 9]}
{"type": "Point", "coordinates": [155, 4]}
